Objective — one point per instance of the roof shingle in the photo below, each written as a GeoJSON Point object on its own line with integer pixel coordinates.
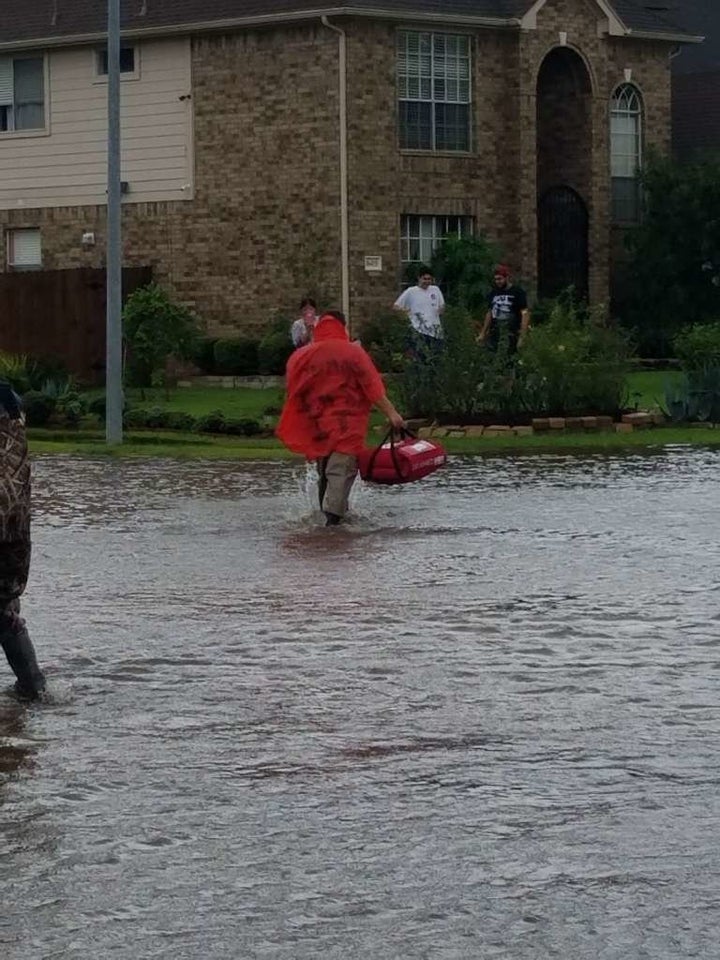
{"type": "Point", "coordinates": [27, 20]}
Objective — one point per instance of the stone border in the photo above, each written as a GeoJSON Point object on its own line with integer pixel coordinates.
{"type": "Point", "coordinates": [545, 426]}
{"type": "Point", "coordinates": [232, 383]}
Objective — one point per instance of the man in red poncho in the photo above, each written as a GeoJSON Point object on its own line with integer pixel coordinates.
{"type": "Point", "coordinates": [332, 384]}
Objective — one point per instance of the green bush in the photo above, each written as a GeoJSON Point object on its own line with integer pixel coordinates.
{"type": "Point", "coordinates": [156, 329]}
{"type": "Point", "coordinates": [70, 404]}
{"type": "Point", "coordinates": [695, 397]}
{"type": "Point", "coordinates": [273, 352]}
{"type": "Point", "coordinates": [459, 380]}
{"type": "Point", "coordinates": [242, 427]}
{"type": "Point", "coordinates": [17, 370]}
{"type": "Point", "coordinates": [574, 364]}
{"type": "Point", "coordinates": [673, 270]}
{"type": "Point", "coordinates": [385, 338]}
{"type": "Point", "coordinates": [237, 357]}
{"type": "Point", "coordinates": [463, 267]}
{"type": "Point", "coordinates": [213, 422]}
{"type": "Point", "coordinates": [135, 418]}
{"type": "Point", "coordinates": [203, 356]}
{"type": "Point", "coordinates": [39, 407]}
{"type": "Point", "coordinates": [698, 346]}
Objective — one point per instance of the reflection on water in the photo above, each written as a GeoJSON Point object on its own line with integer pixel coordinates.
{"type": "Point", "coordinates": [480, 721]}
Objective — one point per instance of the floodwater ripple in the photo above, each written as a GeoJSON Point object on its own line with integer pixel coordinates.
{"type": "Point", "coordinates": [480, 721]}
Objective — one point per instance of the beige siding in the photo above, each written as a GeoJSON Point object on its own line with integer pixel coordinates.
{"type": "Point", "coordinates": [68, 166]}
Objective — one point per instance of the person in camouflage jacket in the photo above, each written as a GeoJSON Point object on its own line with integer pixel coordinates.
{"type": "Point", "coordinates": [15, 545]}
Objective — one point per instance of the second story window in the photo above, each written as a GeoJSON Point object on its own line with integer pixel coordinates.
{"type": "Point", "coordinates": [128, 61]}
{"type": "Point", "coordinates": [22, 93]}
{"type": "Point", "coordinates": [433, 76]}
{"type": "Point", "coordinates": [625, 154]}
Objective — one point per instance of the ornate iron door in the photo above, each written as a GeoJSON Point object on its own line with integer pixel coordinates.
{"type": "Point", "coordinates": [562, 243]}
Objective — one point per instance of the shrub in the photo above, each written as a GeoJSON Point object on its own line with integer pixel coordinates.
{"type": "Point", "coordinates": [238, 357]}
{"type": "Point", "coordinates": [695, 398]}
{"type": "Point", "coordinates": [574, 364]}
{"type": "Point", "coordinates": [135, 418]}
{"type": "Point", "coordinates": [203, 356]}
{"type": "Point", "coordinates": [698, 346]}
{"type": "Point", "coordinates": [242, 427]}
{"type": "Point", "coordinates": [452, 381]}
{"type": "Point", "coordinates": [39, 407]}
{"type": "Point", "coordinates": [177, 420]}
{"type": "Point", "coordinates": [273, 352]}
{"type": "Point", "coordinates": [385, 338]}
{"type": "Point", "coordinates": [155, 330]}
{"type": "Point", "coordinates": [673, 268]}
{"type": "Point", "coordinates": [213, 422]}
{"type": "Point", "coordinates": [70, 405]}
{"type": "Point", "coordinates": [463, 267]}
{"type": "Point", "coordinates": [17, 370]}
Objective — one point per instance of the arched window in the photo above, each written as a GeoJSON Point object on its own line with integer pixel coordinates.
{"type": "Point", "coordinates": [625, 153]}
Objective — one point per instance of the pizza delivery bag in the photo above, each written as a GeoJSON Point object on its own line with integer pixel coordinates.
{"type": "Point", "coordinates": [401, 460]}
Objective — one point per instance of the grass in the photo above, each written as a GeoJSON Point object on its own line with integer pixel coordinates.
{"type": "Point", "coordinates": [646, 388]}
{"type": "Point", "coordinates": [645, 391]}
{"type": "Point", "coordinates": [240, 403]}
{"type": "Point", "coordinates": [190, 446]}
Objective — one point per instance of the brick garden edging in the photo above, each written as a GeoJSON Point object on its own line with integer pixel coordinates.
{"type": "Point", "coordinates": [541, 425]}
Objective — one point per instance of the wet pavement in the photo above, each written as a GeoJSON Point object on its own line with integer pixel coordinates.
{"type": "Point", "coordinates": [481, 721]}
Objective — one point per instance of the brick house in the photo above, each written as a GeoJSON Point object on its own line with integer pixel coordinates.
{"type": "Point", "coordinates": [276, 147]}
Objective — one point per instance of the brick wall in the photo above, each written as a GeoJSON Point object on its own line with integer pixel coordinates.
{"type": "Point", "coordinates": [263, 229]}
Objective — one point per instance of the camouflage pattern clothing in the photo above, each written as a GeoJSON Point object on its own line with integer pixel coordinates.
{"type": "Point", "coordinates": [15, 544]}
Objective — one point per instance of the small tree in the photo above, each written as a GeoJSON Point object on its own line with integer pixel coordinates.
{"type": "Point", "coordinates": [156, 329]}
{"type": "Point", "coordinates": [674, 268]}
{"type": "Point", "coordinates": [463, 266]}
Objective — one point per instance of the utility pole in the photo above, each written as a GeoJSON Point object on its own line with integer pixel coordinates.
{"type": "Point", "coordinates": [113, 349]}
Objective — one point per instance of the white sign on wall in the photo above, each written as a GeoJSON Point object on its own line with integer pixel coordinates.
{"type": "Point", "coordinates": [373, 264]}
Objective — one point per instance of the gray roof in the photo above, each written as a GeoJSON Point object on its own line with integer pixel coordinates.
{"type": "Point", "coordinates": [29, 20]}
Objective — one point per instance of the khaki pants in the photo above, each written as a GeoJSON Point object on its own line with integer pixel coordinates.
{"type": "Point", "coordinates": [336, 475]}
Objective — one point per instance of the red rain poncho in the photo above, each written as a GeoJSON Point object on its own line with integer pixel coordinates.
{"type": "Point", "coordinates": [331, 386]}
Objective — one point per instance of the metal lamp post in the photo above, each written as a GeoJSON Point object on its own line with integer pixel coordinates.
{"type": "Point", "coordinates": [113, 349]}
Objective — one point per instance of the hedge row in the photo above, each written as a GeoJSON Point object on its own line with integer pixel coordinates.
{"type": "Point", "coordinates": [244, 356]}
{"type": "Point", "coordinates": [213, 422]}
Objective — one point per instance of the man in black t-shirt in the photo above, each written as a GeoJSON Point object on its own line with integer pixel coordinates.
{"type": "Point", "coordinates": [507, 314]}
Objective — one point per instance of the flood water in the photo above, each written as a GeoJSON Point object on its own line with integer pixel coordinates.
{"type": "Point", "coordinates": [482, 721]}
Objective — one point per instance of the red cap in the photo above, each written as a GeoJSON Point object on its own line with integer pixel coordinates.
{"type": "Point", "coordinates": [501, 271]}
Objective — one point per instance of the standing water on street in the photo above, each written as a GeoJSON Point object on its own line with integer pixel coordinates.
{"type": "Point", "coordinates": [479, 720]}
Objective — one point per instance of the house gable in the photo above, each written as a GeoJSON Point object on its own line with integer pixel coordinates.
{"type": "Point", "coordinates": [608, 21]}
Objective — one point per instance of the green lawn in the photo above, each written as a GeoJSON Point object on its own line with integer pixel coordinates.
{"type": "Point", "coordinates": [190, 446]}
{"type": "Point", "coordinates": [645, 391]}
{"type": "Point", "coordinates": [240, 403]}
{"type": "Point", "coordinates": [646, 388]}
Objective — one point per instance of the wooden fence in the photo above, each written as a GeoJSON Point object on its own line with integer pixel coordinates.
{"type": "Point", "coordinates": [59, 315]}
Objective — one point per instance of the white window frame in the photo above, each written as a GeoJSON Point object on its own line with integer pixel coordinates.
{"type": "Point", "coordinates": [435, 78]}
{"type": "Point", "coordinates": [133, 74]}
{"type": "Point", "coordinates": [42, 131]}
{"type": "Point", "coordinates": [626, 153]}
{"type": "Point", "coordinates": [29, 238]}
{"type": "Point", "coordinates": [429, 231]}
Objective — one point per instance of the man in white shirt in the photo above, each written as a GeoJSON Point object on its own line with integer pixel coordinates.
{"type": "Point", "coordinates": [423, 305]}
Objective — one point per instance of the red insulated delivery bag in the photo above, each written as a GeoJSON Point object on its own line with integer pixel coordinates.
{"type": "Point", "coordinates": [401, 461]}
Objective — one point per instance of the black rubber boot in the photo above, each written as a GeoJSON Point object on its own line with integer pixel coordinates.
{"type": "Point", "coordinates": [332, 519]}
{"type": "Point", "coordinates": [20, 653]}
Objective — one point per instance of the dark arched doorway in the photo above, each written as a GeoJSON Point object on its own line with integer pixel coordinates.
{"type": "Point", "coordinates": [562, 242]}
{"type": "Point", "coordinates": [564, 172]}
